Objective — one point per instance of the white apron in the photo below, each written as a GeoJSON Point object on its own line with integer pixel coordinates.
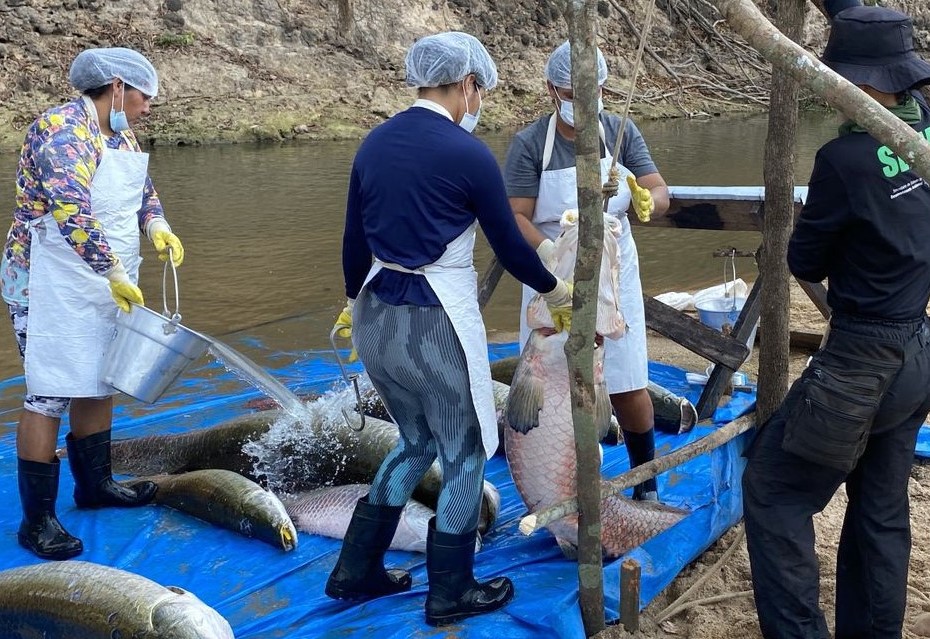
{"type": "Point", "coordinates": [454, 280]}
{"type": "Point", "coordinates": [625, 363]}
{"type": "Point", "coordinates": [71, 312]}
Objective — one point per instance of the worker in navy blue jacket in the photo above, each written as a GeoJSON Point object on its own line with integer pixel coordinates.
{"type": "Point", "coordinates": [421, 184]}
{"type": "Point", "coordinates": [854, 414]}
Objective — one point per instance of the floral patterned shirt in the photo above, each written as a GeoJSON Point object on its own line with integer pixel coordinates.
{"type": "Point", "coordinates": [56, 166]}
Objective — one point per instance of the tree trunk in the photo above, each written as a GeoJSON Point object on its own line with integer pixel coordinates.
{"type": "Point", "coordinates": [778, 168]}
{"type": "Point", "coordinates": [746, 20]}
{"type": "Point", "coordinates": [345, 12]}
{"type": "Point", "coordinates": [579, 349]}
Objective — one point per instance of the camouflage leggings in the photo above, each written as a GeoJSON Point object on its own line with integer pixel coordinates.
{"type": "Point", "coordinates": [48, 406]}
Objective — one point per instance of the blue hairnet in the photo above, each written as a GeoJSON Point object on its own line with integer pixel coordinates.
{"type": "Point", "coordinates": [94, 68]}
{"type": "Point", "coordinates": [559, 67]}
{"type": "Point", "coordinates": [448, 57]}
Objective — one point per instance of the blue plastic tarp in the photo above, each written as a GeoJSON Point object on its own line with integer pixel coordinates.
{"type": "Point", "coordinates": [266, 593]}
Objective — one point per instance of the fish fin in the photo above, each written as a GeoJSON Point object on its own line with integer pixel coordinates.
{"type": "Point", "coordinates": [525, 401]}
{"type": "Point", "coordinates": [603, 410]}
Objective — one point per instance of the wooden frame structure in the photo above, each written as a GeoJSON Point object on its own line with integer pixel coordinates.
{"type": "Point", "coordinates": [713, 208]}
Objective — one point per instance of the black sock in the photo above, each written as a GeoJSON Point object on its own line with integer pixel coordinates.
{"type": "Point", "coordinates": [641, 447]}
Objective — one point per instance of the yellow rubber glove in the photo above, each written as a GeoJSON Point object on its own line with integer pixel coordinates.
{"type": "Point", "coordinates": [123, 290]}
{"type": "Point", "coordinates": [163, 239]}
{"type": "Point", "coordinates": [643, 203]}
{"type": "Point", "coordinates": [343, 327]}
{"type": "Point", "coordinates": [559, 301]}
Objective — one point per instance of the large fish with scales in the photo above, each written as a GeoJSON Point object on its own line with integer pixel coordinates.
{"type": "Point", "coordinates": [78, 599]}
{"type": "Point", "coordinates": [327, 511]}
{"type": "Point", "coordinates": [228, 500]}
{"type": "Point", "coordinates": [540, 440]}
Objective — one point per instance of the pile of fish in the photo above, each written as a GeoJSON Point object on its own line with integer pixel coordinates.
{"type": "Point", "coordinates": [540, 439]}
{"type": "Point", "coordinates": [80, 599]}
{"type": "Point", "coordinates": [234, 474]}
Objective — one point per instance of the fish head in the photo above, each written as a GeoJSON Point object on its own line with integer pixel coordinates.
{"type": "Point", "coordinates": [610, 321]}
{"type": "Point", "coordinates": [181, 615]}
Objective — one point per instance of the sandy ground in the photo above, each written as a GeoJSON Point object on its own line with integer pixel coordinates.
{"type": "Point", "coordinates": [734, 617]}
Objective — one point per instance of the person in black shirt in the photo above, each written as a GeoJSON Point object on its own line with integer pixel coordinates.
{"type": "Point", "coordinates": [854, 414]}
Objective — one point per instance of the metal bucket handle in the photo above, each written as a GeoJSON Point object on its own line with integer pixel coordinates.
{"type": "Point", "coordinates": [174, 317]}
{"type": "Point", "coordinates": [731, 262]}
{"type": "Point", "coordinates": [349, 379]}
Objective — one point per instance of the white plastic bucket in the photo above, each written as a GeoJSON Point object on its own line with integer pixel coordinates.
{"type": "Point", "coordinates": [721, 313]}
{"type": "Point", "coordinates": [148, 353]}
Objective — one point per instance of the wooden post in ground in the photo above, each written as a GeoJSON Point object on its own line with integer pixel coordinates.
{"type": "Point", "coordinates": [630, 583]}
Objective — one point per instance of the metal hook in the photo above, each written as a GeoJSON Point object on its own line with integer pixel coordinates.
{"type": "Point", "coordinates": [349, 379]}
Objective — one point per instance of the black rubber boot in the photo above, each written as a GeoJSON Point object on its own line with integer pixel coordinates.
{"type": "Point", "coordinates": [453, 592]}
{"type": "Point", "coordinates": [40, 531]}
{"type": "Point", "coordinates": [94, 487]}
{"type": "Point", "coordinates": [359, 572]}
{"type": "Point", "coordinates": [641, 447]}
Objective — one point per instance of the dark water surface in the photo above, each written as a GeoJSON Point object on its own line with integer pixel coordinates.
{"type": "Point", "coordinates": [262, 229]}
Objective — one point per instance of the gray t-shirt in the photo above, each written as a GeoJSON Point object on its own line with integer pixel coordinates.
{"type": "Point", "coordinates": [524, 157]}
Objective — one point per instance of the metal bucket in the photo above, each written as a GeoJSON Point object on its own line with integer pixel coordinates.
{"type": "Point", "coordinates": [721, 313]}
{"type": "Point", "coordinates": [150, 350]}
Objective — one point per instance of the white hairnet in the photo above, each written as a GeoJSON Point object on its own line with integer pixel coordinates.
{"type": "Point", "coordinates": [448, 57]}
{"type": "Point", "coordinates": [94, 68]}
{"type": "Point", "coordinates": [559, 67]}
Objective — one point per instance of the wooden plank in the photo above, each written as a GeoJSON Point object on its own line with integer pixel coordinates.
{"type": "Point", "coordinates": [716, 208]}
{"type": "Point", "coordinates": [806, 339]}
{"type": "Point", "coordinates": [696, 337]}
{"type": "Point", "coordinates": [721, 375]}
{"type": "Point", "coordinates": [818, 294]}
{"type": "Point", "coordinates": [489, 282]}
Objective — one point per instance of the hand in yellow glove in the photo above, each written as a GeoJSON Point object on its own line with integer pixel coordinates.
{"type": "Point", "coordinates": [643, 203]}
{"type": "Point", "coordinates": [343, 327]}
{"type": "Point", "coordinates": [559, 301]}
{"type": "Point", "coordinates": [123, 290]}
{"type": "Point", "coordinates": [164, 239]}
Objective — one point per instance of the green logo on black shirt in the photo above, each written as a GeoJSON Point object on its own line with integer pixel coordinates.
{"type": "Point", "coordinates": [892, 164]}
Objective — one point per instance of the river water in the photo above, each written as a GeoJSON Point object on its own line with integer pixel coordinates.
{"type": "Point", "coordinates": [262, 229]}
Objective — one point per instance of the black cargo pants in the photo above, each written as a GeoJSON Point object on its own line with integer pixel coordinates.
{"type": "Point", "coordinates": [782, 491]}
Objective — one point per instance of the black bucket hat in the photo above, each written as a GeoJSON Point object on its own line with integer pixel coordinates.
{"type": "Point", "coordinates": [874, 46]}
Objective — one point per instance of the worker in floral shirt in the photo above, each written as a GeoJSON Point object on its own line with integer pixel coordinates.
{"type": "Point", "coordinates": [71, 260]}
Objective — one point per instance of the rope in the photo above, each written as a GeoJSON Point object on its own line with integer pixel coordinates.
{"type": "Point", "coordinates": [613, 180]}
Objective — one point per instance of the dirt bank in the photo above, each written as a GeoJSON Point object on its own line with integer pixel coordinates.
{"type": "Point", "coordinates": [247, 70]}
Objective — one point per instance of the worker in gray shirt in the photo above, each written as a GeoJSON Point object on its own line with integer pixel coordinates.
{"type": "Point", "coordinates": [540, 179]}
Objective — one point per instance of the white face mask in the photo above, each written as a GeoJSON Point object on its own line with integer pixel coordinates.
{"type": "Point", "coordinates": [469, 121]}
{"type": "Point", "coordinates": [567, 109]}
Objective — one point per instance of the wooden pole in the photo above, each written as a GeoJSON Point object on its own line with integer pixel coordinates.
{"type": "Point", "coordinates": [579, 349]}
{"type": "Point", "coordinates": [778, 171]}
{"type": "Point", "coordinates": [535, 521]}
{"type": "Point", "coordinates": [745, 19]}
{"type": "Point", "coordinates": [630, 586]}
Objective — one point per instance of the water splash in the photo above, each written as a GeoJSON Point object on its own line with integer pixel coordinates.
{"type": "Point", "coordinates": [249, 371]}
{"type": "Point", "coordinates": [300, 447]}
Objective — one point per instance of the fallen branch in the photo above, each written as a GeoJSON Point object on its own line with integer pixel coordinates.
{"type": "Point", "coordinates": [534, 521]}
{"type": "Point", "coordinates": [679, 604]}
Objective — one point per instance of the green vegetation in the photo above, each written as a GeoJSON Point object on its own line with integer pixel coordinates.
{"type": "Point", "coordinates": [166, 40]}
